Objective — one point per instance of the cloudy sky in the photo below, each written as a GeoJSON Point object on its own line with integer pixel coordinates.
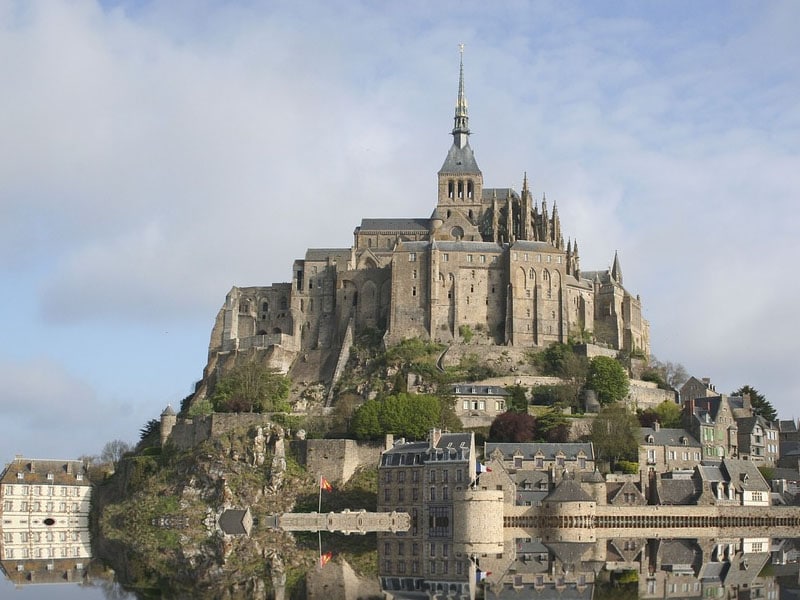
{"type": "Point", "coordinates": [154, 154]}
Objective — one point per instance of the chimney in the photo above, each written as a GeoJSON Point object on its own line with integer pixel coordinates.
{"type": "Point", "coordinates": [69, 468]}
{"type": "Point", "coordinates": [388, 442]}
{"type": "Point", "coordinates": [434, 437]}
{"type": "Point", "coordinates": [656, 426]}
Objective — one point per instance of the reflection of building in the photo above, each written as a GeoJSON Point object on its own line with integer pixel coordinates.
{"type": "Point", "coordinates": [430, 480]}
{"type": "Point", "coordinates": [45, 520]}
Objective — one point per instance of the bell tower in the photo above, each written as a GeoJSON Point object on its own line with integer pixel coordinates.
{"type": "Point", "coordinates": [460, 179]}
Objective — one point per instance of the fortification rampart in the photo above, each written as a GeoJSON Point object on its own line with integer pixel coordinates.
{"type": "Point", "coordinates": [337, 460]}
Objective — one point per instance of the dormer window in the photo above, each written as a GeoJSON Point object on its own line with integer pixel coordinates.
{"type": "Point", "coordinates": [650, 439]}
{"type": "Point", "coordinates": [20, 475]}
{"type": "Point", "coordinates": [50, 477]}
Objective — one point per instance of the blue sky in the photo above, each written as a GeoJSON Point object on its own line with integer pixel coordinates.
{"type": "Point", "coordinates": [154, 154]}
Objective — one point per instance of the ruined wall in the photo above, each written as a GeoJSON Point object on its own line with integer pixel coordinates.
{"type": "Point", "coordinates": [645, 394]}
{"type": "Point", "coordinates": [336, 460]}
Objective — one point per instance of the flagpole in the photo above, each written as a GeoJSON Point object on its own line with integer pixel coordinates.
{"type": "Point", "coordinates": [319, 504]}
{"type": "Point", "coordinates": [319, 539]}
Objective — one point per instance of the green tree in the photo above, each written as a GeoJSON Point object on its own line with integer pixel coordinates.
{"type": "Point", "coordinates": [404, 414]}
{"type": "Point", "coordinates": [667, 414]}
{"type": "Point", "coordinates": [365, 423]}
{"type": "Point", "coordinates": [614, 434]}
{"type": "Point", "coordinates": [761, 406]}
{"type": "Point", "coordinates": [608, 379]}
{"type": "Point", "coordinates": [517, 399]}
{"type": "Point", "coordinates": [149, 435]}
{"type": "Point", "coordinates": [552, 426]}
{"type": "Point", "coordinates": [513, 427]}
{"type": "Point", "coordinates": [251, 388]}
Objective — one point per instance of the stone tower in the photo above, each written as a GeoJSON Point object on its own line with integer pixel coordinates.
{"type": "Point", "coordinates": [168, 420]}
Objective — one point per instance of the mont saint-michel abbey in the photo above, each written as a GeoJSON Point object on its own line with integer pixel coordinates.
{"type": "Point", "coordinates": [490, 259]}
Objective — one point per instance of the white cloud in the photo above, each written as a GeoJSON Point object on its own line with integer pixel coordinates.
{"type": "Point", "coordinates": [153, 155]}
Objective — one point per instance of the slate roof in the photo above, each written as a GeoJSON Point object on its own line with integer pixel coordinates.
{"type": "Point", "coordinates": [787, 474]}
{"type": "Point", "coordinates": [667, 437]}
{"type": "Point", "coordinates": [36, 471]}
{"type": "Point", "coordinates": [568, 491]}
{"type": "Point", "coordinates": [502, 193]}
{"type": "Point", "coordinates": [236, 521]}
{"type": "Point", "coordinates": [470, 246]}
{"type": "Point", "coordinates": [745, 475]}
{"type": "Point", "coordinates": [395, 225]}
{"type": "Point", "coordinates": [789, 426]}
{"type": "Point", "coordinates": [678, 552]}
{"type": "Point", "coordinates": [460, 160]}
{"type": "Point", "coordinates": [677, 491]}
{"type": "Point", "coordinates": [535, 246]}
{"type": "Point", "coordinates": [322, 254]}
{"type": "Point", "coordinates": [528, 450]}
{"type": "Point", "coordinates": [467, 389]}
{"type": "Point", "coordinates": [416, 453]}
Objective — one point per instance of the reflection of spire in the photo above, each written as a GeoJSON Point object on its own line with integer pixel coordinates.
{"type": "Point", "coordinates": [461, 125]}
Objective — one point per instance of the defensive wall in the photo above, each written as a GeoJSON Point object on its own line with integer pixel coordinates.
{"type": "Point", "coordinates": [336, 460]}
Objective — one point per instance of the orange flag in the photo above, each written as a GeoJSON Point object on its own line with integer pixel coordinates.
{"type": "Point", "coordinates": [324, 484]}
{"type": "Point", "coordinates": [323, 560]}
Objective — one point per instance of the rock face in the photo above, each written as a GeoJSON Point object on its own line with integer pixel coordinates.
{"type": "Point", "coordinates": [243, 469]}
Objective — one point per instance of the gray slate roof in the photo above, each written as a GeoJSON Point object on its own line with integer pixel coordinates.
{"type": "Point", "coordinates": [549, 450]}
{"type": "Point", "coordinates": [467, 389]}
{"type": "Point", "coordinates": [322, 254]}
{"type": "Point", "coordinates": [789, 426]}
{"type": "Point", "coordinates": [569, 491]}
{"type": "Point", "coordinates": [677, 491]}
{"type": "Point", "coordinates": [460, 160]}
{"type": "Point", "coordinates": [667, 437]}
{"type": "Point", "coordinates": [236, 521]}
{"type": "Point", "coordinates": [469, 246]}
{"type": "Point", "coordinates": [395, 225]}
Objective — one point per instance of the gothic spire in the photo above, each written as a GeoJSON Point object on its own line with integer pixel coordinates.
{"type": "Point", "coordinates": [461, 124]}
{"type": "Point", "coordinates": [616, 270]}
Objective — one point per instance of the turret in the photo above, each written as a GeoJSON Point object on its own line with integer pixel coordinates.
{"type": "Point", "coordinates": [168, 421]}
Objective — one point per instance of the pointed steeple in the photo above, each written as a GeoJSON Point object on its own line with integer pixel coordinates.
{"type": "Point", "coordinates": [460, 159]}
{"type": "Point", "coordinates": [461, 125]}
{"type": "Point", "coordinates": [616, 270]}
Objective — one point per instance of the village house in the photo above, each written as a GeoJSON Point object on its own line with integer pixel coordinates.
{"type": "Point", "coordinates": [664, 449]}
{"type": "Point", "coordinates": [44, 507]}
{"type": "Point", "coordinates": [478, 405]}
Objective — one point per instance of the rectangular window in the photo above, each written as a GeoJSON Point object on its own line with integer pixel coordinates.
{"type": "Point", "coordinates": [415, 549]}
{"type": "Point", "coordinates": [414, 494]}
{"type": "Point", "coordinates": [401, 548]}
{"type": "Point", "coordinates": [465, 405]}
{"type": "Point", "coordinates": [445, 493]}
{"type": "Point", "coordinates": [401, 495]}
{"type": "Point", "coordinates": [445, 257]}
{"type": "Point", "coordinates": [445, 475]}
{"type": "Point", "coordinates": [401, 477]}
{"type": "Point", "coordinates": [433, 494]}
{"type": "Point", "coordinates": [483, 258]}
{"type": "Point", "coordinates": [459, 475]}
{"type": "Point", "coordinates": [431, 476]}
{"type": "Point", "coordinates": [412, 257]}
{"type": "Point", "coordinates": [433, 549]}
{"type": "Point", "coordinates": [469, 258]}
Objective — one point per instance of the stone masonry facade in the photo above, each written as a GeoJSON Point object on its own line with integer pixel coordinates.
{"type": "Point", "coordinates": [493, 260]}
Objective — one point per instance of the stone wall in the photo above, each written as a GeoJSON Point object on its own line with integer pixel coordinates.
{"type": "Point", "coordinates": [336, 460]}
{"type": "Point", "coordinates": [646, 394]}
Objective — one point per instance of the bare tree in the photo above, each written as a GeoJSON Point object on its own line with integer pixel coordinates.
{"type": "Point", "coordinates": [114, 450]}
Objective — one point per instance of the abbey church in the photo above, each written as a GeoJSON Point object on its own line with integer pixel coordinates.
{"type": "Point", "coordinates": [488, 260]}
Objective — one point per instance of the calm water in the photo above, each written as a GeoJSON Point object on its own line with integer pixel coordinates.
{"type": "Point", "coordinates": [758, 567]}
